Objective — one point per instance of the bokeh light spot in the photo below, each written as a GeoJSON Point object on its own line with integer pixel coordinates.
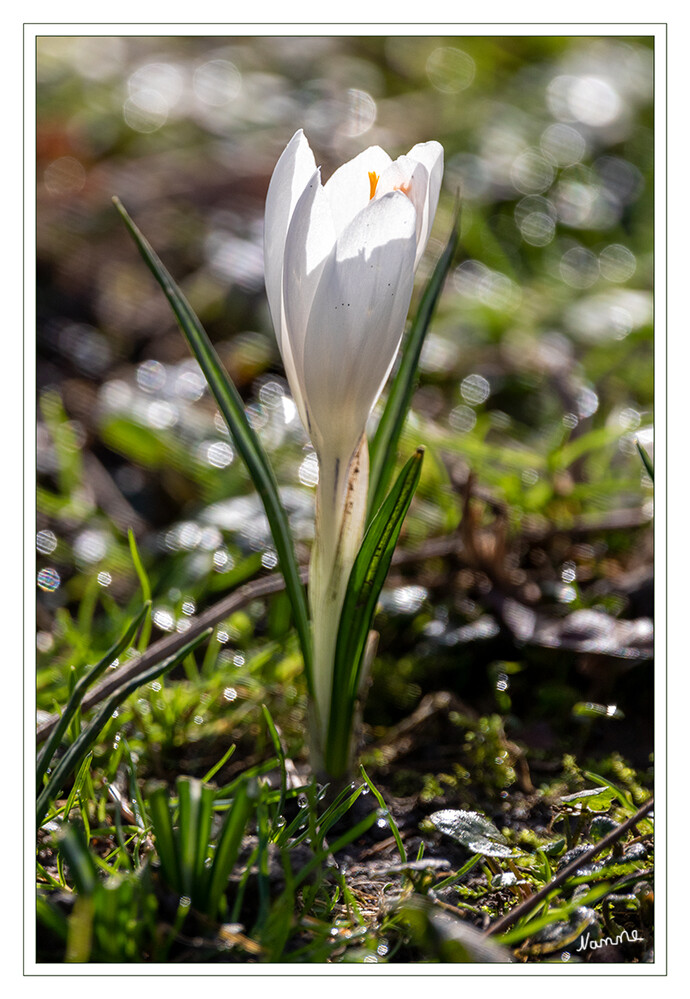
{"type": "Point", "coordinates": [475, 389]}
{"type": "Point", "coordinates": [46, 542]}
{"type": "Point", "coordinates": [63, 176]}
{"type": "Point", "coordinates": [162, 79]}
{"type": "Point", "coordinates": [360, 113]}
{"type": "Point", "coordinates": [538, 229]}
{"type": "Point", "coordinates": [462, 419]}
{"type": "Point", "coordinates": [563, 144]}
{"type": "Point", "coordinates": [217, 82]}
{"type": "Point", "coordinates": [579, 267]}
{"type": "Point", "coordinates": [450, 70]}
{"type": "Point", "coordinates": [151, 376]}
{"type": "Point", "coordinates": [309, 470]}
{"type": "Point", "coordinates": [617, 263]}
{"type": "Point", "coordinates": [594, 101]}
{"type": "Point", "coordinates": [91, 546]}
{"type": "Point", "coordinates": [219, 454]}
{"type": "Point", "coordinates": [531, 173]}
{"type": "Point", "coordinates": [146, 112]}
{"type": "Point", "coordinates": [48, 580]}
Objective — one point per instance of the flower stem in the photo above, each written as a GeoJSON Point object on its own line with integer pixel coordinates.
{"type": "Point", "coordinates": [341, 500]}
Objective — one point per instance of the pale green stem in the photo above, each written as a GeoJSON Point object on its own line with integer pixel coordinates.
{"type": "Point", "coordinates": [341, 502]}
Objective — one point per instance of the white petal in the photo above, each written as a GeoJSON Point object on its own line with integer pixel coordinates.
{"type": "Point", "coordinates": [291, 175]}
{"type": "Point", "coordinates": [310, 240]}
{"type": "Point", "coordinates": [431, 155]}
{"type": "Point", "coordinates": [412, 178]}
{"type": "Point", "coordinates": [349, 188]}
{"type": "Point", "coordinates": [356, 320]}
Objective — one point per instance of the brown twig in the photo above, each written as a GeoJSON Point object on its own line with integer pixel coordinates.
{"type": "Point", "coordinates": [451, 544]}
{"type": "Point", "coordinates": [243, 595]}
{"type": "Point", "coordinates": [169, 645]}
{"type": "Point", "coordinates": [501, 924]}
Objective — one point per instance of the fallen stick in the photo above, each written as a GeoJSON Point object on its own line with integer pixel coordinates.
{"type": "Point", "coordinates": [501, 924]}
{"type": "Point", "coordinates": [266, 586]}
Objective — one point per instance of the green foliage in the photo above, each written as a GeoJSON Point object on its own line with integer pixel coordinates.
{"type": "Point", "coordinates": [191, 865]}
{"type": "Point", "coordinates": [364, 587]}
{"type": "Point", "coordinates": [534, 398]}
{"type": "Point", "coordinates": [78, 750]}
{"type": "Point", "coordinates": [244, 436]}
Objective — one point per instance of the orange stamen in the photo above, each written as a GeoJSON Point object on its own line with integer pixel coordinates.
{"type": "Point", "coordinates": [405, 188]}
{"type": "Point", "coordinates": [373, 181]}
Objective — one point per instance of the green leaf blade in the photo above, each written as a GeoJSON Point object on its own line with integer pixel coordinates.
{"type": "Point", "coordinates": [80, 690]}
{"type": "Point", "coordinates": [646, 460]}
{"type": "Point", "coordinates": [164, 836]}
{"type": "Point", "coordinates": [364, 587]}
{"type": "Point", "coordinates": [228, 848]}
{"type": "Point", "coordinates": [79, 749]}
{"type": "Point", "coordinates": [246, 440]}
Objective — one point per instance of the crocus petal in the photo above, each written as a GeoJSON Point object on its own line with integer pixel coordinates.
{"type": "Point", "coordinates": [412, 178]}
{"type": "Point", "coordinates": [292, 174]}
{"type": "Point", "coordinates": [349, 188]}
{"type": "Point", "coordinates": [310, 241]}
{"type": "Point", "coordinates": [356, 320]}
{"type": "Point", "coordinates": [340, 262]}
{"type": "Point", "coordinates": [431, 155]}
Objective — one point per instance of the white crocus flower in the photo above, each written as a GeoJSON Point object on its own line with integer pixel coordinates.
{"type": "Point", "coordinates": [339, 261]}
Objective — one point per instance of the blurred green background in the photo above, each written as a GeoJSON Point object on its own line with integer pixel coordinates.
{"type": "Point", "coordinates": [535, 381]}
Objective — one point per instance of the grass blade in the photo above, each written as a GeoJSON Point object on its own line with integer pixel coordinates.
{"type": "Point", "coordinates": [391, 821]}
{"type": "Point", "coordinates": [189, 797]}
{"type": "Point", "coordinates": [228, 847]}
{"type": "Point", "coordinates": [210, 774]}
{"type": "Point", "coordinates": [145, 587]}
{"type": "Point", "coordinates": [77, 786]}
{"type": "Point", "coordinates": [364, 586]}
{"type": "Point", "coordinates": [342, 841]}
{"type": "Point", "coordinates": [78, 750]}
{"type": "Point", "coordinates": [46, 754]}
{"type": "Point", "coordinates": [161, 821]}
{"type": "Point", "coordinates": [647, 461]}
{"type": "Point", "coordinates": [277, 745]}
{"type": "Point", "coordinates": [72, 846]}
{"type": "Point", "coordinates": [383, 447]}
{"type": "Point", "coordinates": [246, 440]}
